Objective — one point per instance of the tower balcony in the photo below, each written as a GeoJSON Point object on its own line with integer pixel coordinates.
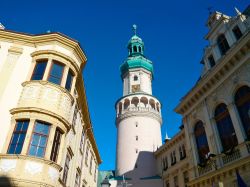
{"type": "Point", "coordinates": [46, 96]}
{"type": "Point", "coordinates": [137, 105]}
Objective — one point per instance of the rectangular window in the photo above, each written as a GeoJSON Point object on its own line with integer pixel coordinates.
{"type": "Point", "coordinates": [66, 168]}
{"type": "Point", "coordinates": [77, 180]}
{"type": "Point", "coordinates": [90, 165]}
{"type": "Point", "coordinates": [18, 136]}
{"type": "Point", "coordinates": [39, 139]}
{"type": "Point", "coordinates": [87, 155]}
{"type": "Point", "coordinates": [82, 140]}
{"type": "Point", "coordinates": [95, 172]}
{"type": "Point", "coordinates": [237, 32]}
{"type": "Point", "coordinates": [56, 145]}
{"type": "Point", "coordinates": [211, 61]}
{"type": "Point", "coordinates": [56, 72]}
{"type": "Point", "coordinates": [74, 117]}
{"type": "Point", "coordinates": [69, 80]}
{"type": "Point", "coordinates": [39, 70]}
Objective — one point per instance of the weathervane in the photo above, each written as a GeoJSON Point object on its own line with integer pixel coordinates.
{"type": "Point", "coordinates": [134, 28]}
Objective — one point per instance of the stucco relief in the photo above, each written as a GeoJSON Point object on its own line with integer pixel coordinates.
{"type": "Point", "coordinates": [30, 92]}
{"type": "Point", "coordinates": [33, 167]}
{"type": "Point", "coordinates": [50, 95]}
{"type": "Point", "coordinates": [7, 165]}
{"type": "Point", "coordinates": [53, 173]}
{"type": "Point", "coordinates": [65, 106]}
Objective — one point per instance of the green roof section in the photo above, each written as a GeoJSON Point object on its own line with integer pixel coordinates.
{"type": "Point", "coordinates": [136, 62]}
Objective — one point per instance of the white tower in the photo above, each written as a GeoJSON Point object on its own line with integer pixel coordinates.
{"type": "Point", "coordinates": [138, 119]}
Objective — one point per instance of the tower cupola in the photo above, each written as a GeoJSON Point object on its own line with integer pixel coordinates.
{"type": "Point", "coordinates": [135, 44]}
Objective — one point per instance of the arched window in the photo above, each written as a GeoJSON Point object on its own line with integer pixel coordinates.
{"type": "Point", "coordinates": [135, 101]}
{"type": "Point", "coordinates": [139, 48]}
{"type": "Point", "coordinates": [135, 78]}
{"type": "Point", "coordinates": [222, 44]}
{"type": "Point", "coordinates": [126, 104]}
{"type": "Point", "coordinates": [225, 127]}
{"type": "Point", "coordinates": [201, 141]}
{"type": "Point", "coordinates": [242, 101]}
{"type": "Point", "coordinates": [135, 49]}
{"type": "Point", "coordinates": [144, 100]}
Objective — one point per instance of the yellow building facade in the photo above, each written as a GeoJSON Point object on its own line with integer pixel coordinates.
{"type": "Point", "coordinates": [46, 133]}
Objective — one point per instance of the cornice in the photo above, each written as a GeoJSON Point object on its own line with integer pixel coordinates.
{"type": "Point", "coordinates": [43, 111]}
{"type": "Point", "coordinates": [212, 79]}
{"type": "Point", "coordinates": [34, 40]}
{"type": "Point", "coordinates": [129, 114]}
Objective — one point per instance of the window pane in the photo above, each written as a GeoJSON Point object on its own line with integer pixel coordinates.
{"type": "Point", "coordinates": [18, 148]}
{"type": "Point", "coordinates": [35, 139]}
{"type": "Point", "coordinates": [69, 81]}
{"type": "Point", "coordinates": [32, 150]}
{"type": "Point", "coordinates": [40, 152]}
{"type": "Point", "coordinates": [12, 149]}
{"type": "Point", "coordinates": [39, 70]}
{"type": "Point", "coordinates": [42, 128]}
{"type": "Point", "coordinates": [56, 73]}
{"type": "Point", "coordinates": [43, 141]}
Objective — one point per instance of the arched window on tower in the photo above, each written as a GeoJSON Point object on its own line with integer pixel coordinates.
{"type": "Point", "coordinates": [126, 104]}
{"type": "Point", "coordinates": [225, 127]}
{"type": "Point", "coordinates": [201, 141]}
{"type": "Point", "coordinates": [135, 49]}
{"type": "Point", "coordinates": [135, 78]}
{"type": "Point", "coordinates": [139, 49]}
{"type": "Point", "coordinates": [222, 44]}
{"type": "Point", "coordinates": [242, 101]}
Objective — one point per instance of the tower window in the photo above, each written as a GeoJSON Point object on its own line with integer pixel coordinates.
{"type": "Point", "coordinates": [135, 49]}
{"type": "Point", "coordinates": [136, 124]}
{"type": "Point", "coordinates": [139, 48]}
{"type": "Point", "coordinates": [69, 80]}
{"type": "Point", "coordinates": [237, 32]}
{"type": "Point", "coordinates": [135, 78]}
{"type": "Point", "coordinates": [136, 150]}
{"type": "Point", "coordinates": [222, 44]}
{"type": "Point", "coordinates": [211, 61]}
{"type": "Point", "coordinates": [136, 138]}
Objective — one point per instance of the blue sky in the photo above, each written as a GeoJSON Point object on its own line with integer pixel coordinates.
{"type": "Point", "coordinates": [172, 31]}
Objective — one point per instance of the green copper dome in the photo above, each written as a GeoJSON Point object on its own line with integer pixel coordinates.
{"type": "Point", "coordinates": [136, 58]}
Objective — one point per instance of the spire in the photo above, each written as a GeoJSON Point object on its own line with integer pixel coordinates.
{"type": "Point", "coordinates": [134, 29]}
{"type": "Point", "coordinates": [237, 11]}
{"type": "Point", "coordinates": [167, 138]}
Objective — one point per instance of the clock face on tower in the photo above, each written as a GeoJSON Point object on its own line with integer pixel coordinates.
{"type": "Point", "coordinates": [135, 88]}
